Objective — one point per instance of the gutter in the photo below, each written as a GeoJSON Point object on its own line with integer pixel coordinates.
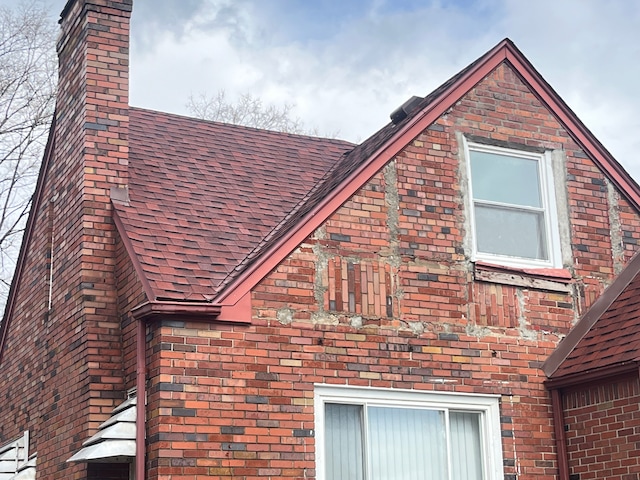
{"type": "Point", "coordinates": [190, 310]}
{"type": "Point", "coordinates": [591, 376]}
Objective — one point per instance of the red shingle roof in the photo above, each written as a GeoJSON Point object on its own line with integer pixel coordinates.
{"type": "Point", "coordinates": [203, 195]}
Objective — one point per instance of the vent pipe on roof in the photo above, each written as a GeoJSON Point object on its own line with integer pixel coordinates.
{"type": "Point", "coordinates": [404, 110]}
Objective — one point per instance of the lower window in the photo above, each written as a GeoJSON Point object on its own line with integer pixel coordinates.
{"type": "Point", "coordinates": [371, 434]}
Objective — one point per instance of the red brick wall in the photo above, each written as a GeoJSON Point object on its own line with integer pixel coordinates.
{"type": "Point", "coordinates": [230, 402]}
{"type": "Point", "coordinates": [130, 295]}
{"type": "Point", "coordinates": [61, 373]}
{"type": "Point", "coordinates": [603, 430]}
{"type": "Point", "coordinates": [383, 295]}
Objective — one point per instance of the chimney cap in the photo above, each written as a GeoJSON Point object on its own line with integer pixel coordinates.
{"type": "Point", "coordinates": [123, 5]}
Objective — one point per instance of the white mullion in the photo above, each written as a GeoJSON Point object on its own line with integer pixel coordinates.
{"type": "Point", "coordinates": [510, 206]}
{"type": "Point", "coordinates": [365, 441]}
{"type": "Point", "coordinates": [484, 446]}
{"type": "Point", "coordinates": [447, 433]}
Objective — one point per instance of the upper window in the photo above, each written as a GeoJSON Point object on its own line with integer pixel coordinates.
{"type": "Point", "coordinates": [513, 207]}
{"type": "Point", "coordinates": [370, 434]}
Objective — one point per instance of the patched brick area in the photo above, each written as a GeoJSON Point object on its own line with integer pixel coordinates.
{"type": "Point", "coordinates": [603, 430]}
{"type": "Point", "coordinates": [384, 295]}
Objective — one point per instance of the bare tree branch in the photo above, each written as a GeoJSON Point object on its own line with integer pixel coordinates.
{"type": "Point", "coordinates": [28, 70]}
{"type": "Point", "coordinates": [247, 110]}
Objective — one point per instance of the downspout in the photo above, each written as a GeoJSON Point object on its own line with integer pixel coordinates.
{"type": "Point", "coordinates": [141, 389]}
{"type": "Point", "coordinates": [561, 439]}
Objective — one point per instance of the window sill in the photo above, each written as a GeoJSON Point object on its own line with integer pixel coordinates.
{"type": "Point", "coordinates": [551, 279]}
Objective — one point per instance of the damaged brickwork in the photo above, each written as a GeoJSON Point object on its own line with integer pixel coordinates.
{"type": "Point", "coordinates": [385, 294]}
{"type": "Point", "coordinates": [404, 236]}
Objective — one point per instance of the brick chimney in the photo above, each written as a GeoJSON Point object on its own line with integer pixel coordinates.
{"type": "Point", "coordinates": [91, 155]}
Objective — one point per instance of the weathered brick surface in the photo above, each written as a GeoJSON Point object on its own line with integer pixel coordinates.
{"type": "Point", "coordinates": [603, 430]}
{"type": "Point", "coordinates": [62, 365]}
{"type": "Point", "coordinates": [383, 295]}
{"type": "Point", "coordinates": [130, 295]}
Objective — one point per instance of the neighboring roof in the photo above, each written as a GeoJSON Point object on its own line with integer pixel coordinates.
{"type": "Point", "coordinates": [115, 440]}
{"type": "Point", "coordinates": [606, 340]}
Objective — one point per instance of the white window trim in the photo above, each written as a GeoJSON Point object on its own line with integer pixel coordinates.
{"type": "Point", "coordinates": [487, 405]}
{"type": "Point", "coordinates": [549, 206]}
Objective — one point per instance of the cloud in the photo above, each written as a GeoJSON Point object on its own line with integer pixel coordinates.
{"type": "Point", "coordinates": [347, 65]}
{"type": "Point", "coordinates": [348, 80]}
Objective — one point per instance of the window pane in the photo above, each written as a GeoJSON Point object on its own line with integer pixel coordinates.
{"type": "Point", "coordinates": [505, 179]}
{"type": "Point", "coordinates": [466, 446]}
{"type": "Point", "coordinates": [516, 233]}
{"type": "Point", "coordinates": [406, 444]}
{"type": "Point", "coordinates": [343, 442]}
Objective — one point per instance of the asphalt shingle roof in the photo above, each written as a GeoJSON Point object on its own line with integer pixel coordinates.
{"type": "Point", "coordinates": [206, 198]}
{"type": "Point", "coordinates": [203, 195]}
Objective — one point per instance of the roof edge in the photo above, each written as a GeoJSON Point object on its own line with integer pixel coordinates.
{"type": "Point", "coordinates": [421, 119]}
{"type": "Point", "coordinates": [385, 152]}
{"type": "Point", "coordinates": [589, 319]}
{"type": "Point", "coordinates": [189, 310]}
{"type": "Point", "coordinates": [592, 376]}
{"type": "Point", "coordinates": [28, 232]}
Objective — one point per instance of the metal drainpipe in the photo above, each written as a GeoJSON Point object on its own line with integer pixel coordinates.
{"type": "Point", "coordinates": [561, 439]}
{"type": "Point", "coordinates": [141, 388]}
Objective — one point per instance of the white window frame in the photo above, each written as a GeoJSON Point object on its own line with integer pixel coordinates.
{"type": "Point", "coordinates": [487, 405]}
{"type": "Point", "coordinates": [549, 206]}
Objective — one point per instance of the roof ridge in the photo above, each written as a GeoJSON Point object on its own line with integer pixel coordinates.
{"type": "Point", "coordinates": [237, 126]}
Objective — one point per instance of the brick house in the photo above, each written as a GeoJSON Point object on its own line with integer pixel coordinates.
{"type": "Point", "coordinates": [200, 300]}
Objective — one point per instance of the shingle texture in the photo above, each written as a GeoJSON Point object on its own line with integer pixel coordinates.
{"type": "Point", "coordinates": [614, 339]}
{"type": "Point", "coordinates": [203, 195]}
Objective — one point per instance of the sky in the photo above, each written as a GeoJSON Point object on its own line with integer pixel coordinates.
{"type": "Point", "coordinates": [345, 65]}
